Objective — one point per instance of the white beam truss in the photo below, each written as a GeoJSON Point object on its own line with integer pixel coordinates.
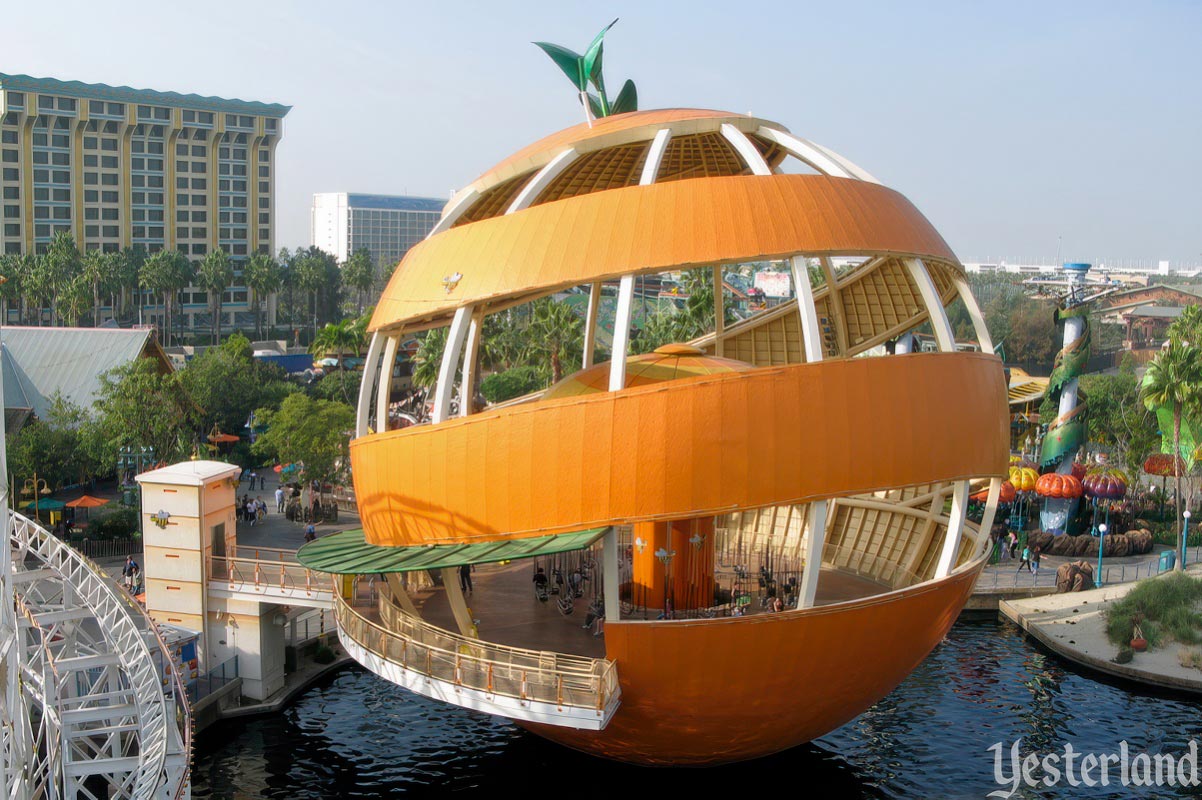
{"type": "Point", "coordinates": [371, 373]}
{"type": "Point", "coordinates": [450, 364]}
{"type": "Point", "coordinates": [590, 324]}
{"type": "Point", "coordinates": [454, 210]}
{"type": "Point", "coordinates": [747, 151]}
{"type": "Point", "coordinates": [535, 186]}
{"type": "Point", "coordinates": [91, 713]}
{"type": "Point", "coordinates": [384, 388]}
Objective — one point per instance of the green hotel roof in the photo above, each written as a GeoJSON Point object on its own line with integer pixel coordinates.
{"type": "Point", "coordinates": [126, 94]}
{"type": "Point", "coordinates": [347, 553]}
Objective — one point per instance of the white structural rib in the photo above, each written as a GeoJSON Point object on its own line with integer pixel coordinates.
{"type": "Point", "coordinates": [535, 186]}
{"type": "Point", "coordinates": [590, 324]}
{"type": "Point", "coordinates": [371, 373]}
{"type": "Point", "coordinates": [974, 313]}
{"type": "Point", "coordinates": [826, 161]}
{"type": "Point", "coordinates": [384, 389]}
{"type": "Point", "coordinates": [454, 210]}
{"type": "Point", "coordinates": [467, 390]}
{"type": "Point", "coordinates": [450, 364]}
{"type": "Point", "coordinates": [655, 156]}
{"type": "Point", "coordinates": [811, 335]}
{"type": "Point", "coordinates": [747, 151]}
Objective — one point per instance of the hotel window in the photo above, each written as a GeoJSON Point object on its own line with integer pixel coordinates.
{"type": "Point", "coordinates": [263, 173]}
{"type": "Point", "coordinates": [137, 146]}
{"type": "Point", "coordinates": [61, 177]}
{"type": "Point", "coordinates": [110, 231]}
{"type": "Point", "coordinates": [12, 229]}
{"type": "Point", "coordinates": [16, 99]}
{"type": "Point", "coordinates": [45, 103]}
{"type": "Point", "coordinates": [10, 156]}
{"type": "Point", "coordinates": [109, 197]}
{"type": "Point", "coordinates": [108, 162]}
{"type": "Point", "coordinates": [91, 230]}
{"type": "Point", "coordinates": [90, 161]}
{"type": "Point", "coordinates": [154, 181]}
{"type": "Point", "coordinates": [155, 198]}
{"type": "Point", "coordinates": [108, 179]}
{"type": "Point", "coordinates": [199, 216]}
{"type": "Point", "coordinates": [66, 104]}
{"type": "Point", "coordinates": [60, 159]}
{"type": "Point", "coordinates": [199, 151]}
{"type": "Point", "coordinates": [198, 199]}
{"type": "Point", "coordinates": [206, 118]}
{"type": "Point", "coordinates": [61, 195]}
{"type": "Point", "coordinates": [40, 140]}
{"type": "Point", "coordinates": [108, 213]}
{"type": "Point", "coordinates": [62, 212]}
{"type": "Point", "coordinates": [108, 144]}
{"type": "Point", "coordinates": [199, 183]}
{"type": "Point", "coordinates": [264, 202]}
{"type": "Point", "coordinates": [91, 179]}
{"type": "Point", "coordinates": [181, 166]}
{"type": "Point", "coordinates": [181, 216]}
{"type": "Point", "coordinates": [181, 149]}
{"type": "Point", "coordinates": [12, 193]}
{"type": "Point", "coordinates": [96, 106]}
{"type": "Point", "coordinates": [12, 212]}
{"type": "Point", "coordinates": [91, 196]}
{"type": "Point", "coordinates": [8, 137]}
{"type": "Point", "coordinates": [162, 113]}
{"type": "Point", "coordinates": [189, 116]}
{"type": "Point", "coordinates": [198, 249]}
{"type": "Point", "coordinates": [41, 230]}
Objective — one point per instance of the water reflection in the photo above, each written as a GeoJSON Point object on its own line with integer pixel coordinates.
{"type": "Point", "coordinates": [356, 736]}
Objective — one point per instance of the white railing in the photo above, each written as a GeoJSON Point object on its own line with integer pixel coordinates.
{"type": "Point", "coordinates": [526, 675]}
{"type": "Point", "coordinates": [125, 629]}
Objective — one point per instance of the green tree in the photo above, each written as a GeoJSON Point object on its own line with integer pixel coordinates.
{"type": "Point", "coordinates": [53, 448]}
{"type": "Point", "coordinates": [75, 298]}
{"type": "Point", "coordinates": [359, 273]}
{"type": "Point", "coordinates": [428, 360]}
{"type": "Point", "coordinates": [314, 433]}
{"type": "Point", "coordinates": [215, 274]}
{"type": "Point", "coordinates": [338, 339]}
{"type": "Point", "coordinates": [12, 280]}
{"type": "Point", "coordinates": [138, 407]}
{"type": "Point", "coordinates": [166, 272]}
{"type": "Point", "coordinates": [1117, 418]}
{"type": "Point", "coordinates": [60, 265]}
{"type": "Point", "coordinates": [558, 334]}
{"type": "Point", "coordinates": [1187, 328]}
{"type": "Point", "coordinates": [342, 385]}
{"type": "Point", "coordinates": [101, 271]}
{"type": "Point", "coordinates": [129, 276]}
{"type": "Point", "coordinates": [1174, 379]}
{"type": "Point", "coordinates": [506, 343]}
{"type": "Point", "coordinates": [226, 384]}
{"type": "Point", "coordinates": [263, 276]}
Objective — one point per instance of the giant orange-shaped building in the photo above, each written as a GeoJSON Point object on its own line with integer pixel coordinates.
{"type": "Point", "coordinates": [768, 522]}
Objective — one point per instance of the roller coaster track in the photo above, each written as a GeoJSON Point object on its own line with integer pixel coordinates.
{"type": "Point", "coordinates": [94, 704]}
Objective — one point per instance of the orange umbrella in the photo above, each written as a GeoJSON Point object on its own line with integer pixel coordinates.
{"type": "Point", "coordinates": [86, 501]}
{"type": "Point", "coordinates": [223, 438]}
{"type": "Point", "coordinates": [1006, 495]}
{"type": "Point", "coordinates": [668, 363]}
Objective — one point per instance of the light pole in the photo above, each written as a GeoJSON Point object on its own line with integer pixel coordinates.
{"type": "Point", "coordinates": [1097, 580]}
{"type": "Point", "coordinates": [1184, 536]}
{"type": "Point", "coordinates": [35, 486]}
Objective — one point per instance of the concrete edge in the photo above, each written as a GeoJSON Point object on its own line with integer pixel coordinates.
{"type": "Point", "coordinates": [1105, 667]}
{"type": "Point", "coordinates": [288, 694]}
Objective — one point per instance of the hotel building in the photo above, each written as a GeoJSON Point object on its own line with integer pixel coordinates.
{"type": "Point", "coordinates": [385, 225]}
{"type": "Point", "coordinates": [120, 167]}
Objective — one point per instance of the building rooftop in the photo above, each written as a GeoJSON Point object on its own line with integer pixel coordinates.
{"type": "Point", "coordinates": [391, 202]}
{"type": "Point", "coordinates": [190, 473]}
{"type": "Point", "coordinates": [1158, 312]}
{"type": "Point", "coordinates": [39, 362]}
{"type": "Point", "coordinates": [101, 91]}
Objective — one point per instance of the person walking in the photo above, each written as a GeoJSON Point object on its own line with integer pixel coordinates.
{"type": "Point", "coordinates": [465, 578]}
{"type": "Point", "coordinates": [1035, 556]}
{"type": "Point", "coordinates": [127, 572]}
{"type": "Point", "coordinates": [279, 499]}
{"type": "Point", "coordinates": [1026, 562]}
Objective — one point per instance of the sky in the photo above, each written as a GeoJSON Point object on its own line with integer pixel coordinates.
{"type": "Point", "coordinates": [1022, 130]}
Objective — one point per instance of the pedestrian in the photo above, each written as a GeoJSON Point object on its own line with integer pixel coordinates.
{"type": "Point", "coordinates": [250, 511]}
{"type": "Point", "coordinates": [279, 499]}
{"type": "Point", "coordinates": [1013, 543]}
{"type": "Point", "coordinates": [1035, 556]}
{"type": "Point", "coordinates": [465, 578]}
{"type": "Point", "coordinates": [127, 572]}
{"type": "Point", "coordinates": [310, 532]}
{"type": "Point", "coordinates": [262, 482]}
{"type": "Point", "coordinates": [1026, 562]}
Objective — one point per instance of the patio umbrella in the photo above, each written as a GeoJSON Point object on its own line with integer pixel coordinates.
{"type": "Point", "coordinates": [44, 504]}
{"type": "Point", "coordinates": [87, 502]}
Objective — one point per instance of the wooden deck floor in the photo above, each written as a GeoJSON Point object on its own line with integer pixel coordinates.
{"type": "Point", "coordinates": [508, 612]}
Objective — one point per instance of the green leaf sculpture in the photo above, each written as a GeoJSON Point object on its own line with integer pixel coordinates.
{"type": "Point", "coordinates": [582, 70]}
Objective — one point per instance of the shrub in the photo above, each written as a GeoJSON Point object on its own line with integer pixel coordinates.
{"type": "Point", "coordinates": [1164, 608]}
{"type": "Point", "coordinates": [324, 655]}
{"type": "Point", "coordinates": [119, 524]}
{"type": "Point", "coordinates": [511, 383]}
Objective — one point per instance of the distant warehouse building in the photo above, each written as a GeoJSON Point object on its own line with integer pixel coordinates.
{"type": "Point", "coordinates": [118, 167]}
{"type": "Point", "coordinates": [385, 225]}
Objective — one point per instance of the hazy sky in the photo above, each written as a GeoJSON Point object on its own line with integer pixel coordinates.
{"type": "Point", "coordinates": [1009, 124]}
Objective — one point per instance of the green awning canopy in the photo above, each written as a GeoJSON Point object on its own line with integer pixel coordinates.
{"type": "Point", "coordinates": [346, 552]}
{"type": "Point", "coordinates": [44, 504]}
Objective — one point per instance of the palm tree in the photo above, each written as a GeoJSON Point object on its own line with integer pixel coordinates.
{"type": "Point", "coordinates": [167, 271]}
{"type": "Point", "coordinates": [263, 276]}
{"type": "Point", "coordinates": [61, 264]}
{"type": "Point", "coordinates": [338, 338]}
{"type": "Point", "coordinates": [129, 270]}
{"type": "Point", "coordinates": [428, 359]}
{"type": "Point", "coordinates": [309, 273]}
{"type": "Point", "coordinates": [359, 273]}
{"type": "Point", "coordinates": [557, 332]}
{"type": "Point", "coordinates": [1174, 379]}
{"type": "Point", "coordinates": [36, 283]}
{"type": "Point", "coordinates": [74, 298]}
{"type": "Point", "coordinates": [101, 271]}
{"type": "Point", "coordinates": [215, 275]}
{"type": "Point", "coordinates": [12, 282]}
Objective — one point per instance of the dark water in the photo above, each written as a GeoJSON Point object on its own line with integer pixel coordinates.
{"type": "Point", "coordinates": [357, 736]}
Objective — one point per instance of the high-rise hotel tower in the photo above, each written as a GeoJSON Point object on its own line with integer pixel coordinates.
{"type": "Point", "coordinates": [120, 167]}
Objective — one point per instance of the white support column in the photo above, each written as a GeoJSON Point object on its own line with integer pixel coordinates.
{"type": "Point", "coordinates": [747, 151]}
{"type": "Point", "coordinates": [955, 527]}
{"type": "Point", "coordinates": [450, 362]}
{"type": "Point", "coordinates": [974, 313]}
{"type": "Point", "coordinates": [535, 186]}
{"type": "Point", "coordinates": [995, 490]}
{"type": "Point", "coordinates": [807, 152]}
{"type": "Point", "coordinates": [590, 324]}
{"type": "Point", "coordinates": [905, 344]}
{"type": "Point", "coordinates": [813, 554]}
{"type": "Point", "coordinates": [617, 363]}
{"type": "Point", "coordinates": [471, 356]}
{"type": "Point", "coordinates": [811, 332]}
{"type": "Point", "coordinates": [719, 311]}
{"type": "Point", "coordinates": [655, 156]}
{"type": "Point", "coordinates": [384, 390]}
{"type": "Point", "coordinates": [371, 372]}
{"type": "Point", "coordinates": [450, 215]}
{"type": "Point", "coordinates": [930, 297]}
{"type": "Point", "coordinates": [610, 565]}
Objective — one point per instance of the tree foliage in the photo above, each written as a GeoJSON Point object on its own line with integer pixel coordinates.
{"type": "Point", "coordinates": [138, 407]}
{"type": "Point", "coordinates": [305, 431]}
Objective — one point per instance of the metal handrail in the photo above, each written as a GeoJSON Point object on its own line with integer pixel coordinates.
{"type": "Point", "coordinates": [284, 575]}
{"type": "Point", "coordinates": [468, 663]}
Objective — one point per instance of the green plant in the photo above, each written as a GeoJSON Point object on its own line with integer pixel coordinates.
{"type": "Point", "coordinates": [118, 524]}
{"type": "Point", "coordinates": [1164, 608]}
{"type": "Point", "coordinates": [511, 383]}
{"type": "Point", "coordinates": [324, 655]}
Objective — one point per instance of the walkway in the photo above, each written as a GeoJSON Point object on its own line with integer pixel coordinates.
{"type": "Point", "coordinates": [1073, 626]}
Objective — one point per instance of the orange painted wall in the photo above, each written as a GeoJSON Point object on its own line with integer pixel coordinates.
{"type": "Point", "coordinates": [655, 228]}
{"type": "Point", "coordinates": [714, 691]}
{"type": "Point", "coordinates": [688, 448]}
